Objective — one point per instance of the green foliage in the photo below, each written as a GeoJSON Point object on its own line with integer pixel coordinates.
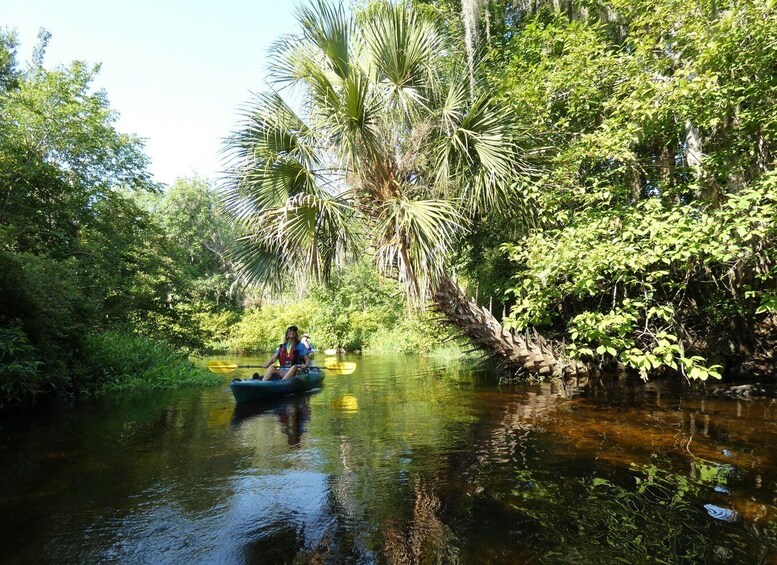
{"type": "Point", "coordinates": [200, 282]}
{"type": "Point", "coordinates": [117, 362]}
{"type": "Point", "coordinates": [416, 333]}
{"type": "Point", "coordinates": [653, 129]}
{"type": "Point", "coordinates": [78, 253]}
{"type": "Point", "coordinates": [355, 304]}
{"type": "Point", "coordinates": [264, 328]}
{"type": "Point", "coordinates": [217, 327]}
{"type": "Point", "coordinates": [135, 270]}
{"type": "Point", "coordinates": [393, 154]}
{"type": "Point", "coordinates": [191, 215]}
{"type": "Point", "coordinates": [19, 377]}
{"type": "Point", "coordinates": [44, 298]}
{"type": "Point", "coordinates": [650, 274]}
{"type": "Point", "coordinates": [59, 153]}
{"type": "Point", "coordinates": [358, 309]}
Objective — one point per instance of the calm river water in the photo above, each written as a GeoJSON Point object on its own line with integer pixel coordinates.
{"type": "Point", "coordinates": [403, 461]}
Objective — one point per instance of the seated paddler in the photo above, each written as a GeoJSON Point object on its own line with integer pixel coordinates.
{"type": "Point", "coordinates": [291, 355]}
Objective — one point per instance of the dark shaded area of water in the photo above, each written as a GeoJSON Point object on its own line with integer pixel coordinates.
{"type": "Point", "coordinates": [403, 461]}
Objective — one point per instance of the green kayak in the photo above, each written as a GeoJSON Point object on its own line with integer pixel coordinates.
{"type": "Point", "coordinates": [249, 389]}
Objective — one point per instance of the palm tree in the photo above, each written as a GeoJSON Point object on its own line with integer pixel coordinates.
{"type": "Point", "coordinates": [390, 153]}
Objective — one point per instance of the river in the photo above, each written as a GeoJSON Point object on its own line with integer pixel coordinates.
{"type": "Point", "coordinates": [406, 460]}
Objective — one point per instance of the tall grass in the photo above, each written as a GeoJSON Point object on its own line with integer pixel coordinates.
{"type": "Point", "coordinates": [119, 362]}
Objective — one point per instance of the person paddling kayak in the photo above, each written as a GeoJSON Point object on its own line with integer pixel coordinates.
{"type": "Point", "coordinates": [292, 356]}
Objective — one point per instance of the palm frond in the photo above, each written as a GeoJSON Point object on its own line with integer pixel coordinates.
{"type": "Point", "coordinates": [354, 126]}
{"type": "Point", "coordinates": [403, 46]}
{"type": "Point", "coordinates": [306, 234]}
{"type": "Point", "coordinates": [475, 151]}
{"type": "Point", "coordinates": [327, 27]}
{"type": "Point", "coordinates": [413, 238]}
{"type": "Point", "coordinates": [270, 158]}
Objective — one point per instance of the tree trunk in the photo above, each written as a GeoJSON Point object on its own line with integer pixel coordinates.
{"type": "Point", "coordinates": [469, 16]}
{"type": "Point", "coordinates": [524, 356]}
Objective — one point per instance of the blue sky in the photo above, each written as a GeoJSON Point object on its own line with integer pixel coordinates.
{"type": "Point", "coordinates": [177, 72]}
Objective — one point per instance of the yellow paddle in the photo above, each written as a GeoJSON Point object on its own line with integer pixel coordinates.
{"type": "Point", "coordinates": [224, 367]}
{"type": "Point", "coordinates": [340, 367]}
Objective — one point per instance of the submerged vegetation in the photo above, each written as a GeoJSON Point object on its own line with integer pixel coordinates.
{"type": "Point", "coordinates": [571, 185]}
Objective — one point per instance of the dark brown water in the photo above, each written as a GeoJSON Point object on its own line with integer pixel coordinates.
{"type": "Point", "coordinates": [404, 461]}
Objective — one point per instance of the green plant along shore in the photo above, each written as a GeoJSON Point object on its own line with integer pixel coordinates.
{"type": "Point", "coordinates": [654, 124]}
{"type": "Point", "coordinates": [602, 174]}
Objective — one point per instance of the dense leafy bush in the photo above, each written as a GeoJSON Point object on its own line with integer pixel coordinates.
{"type": "Point", "coordinates": [44, 299]}
{"type": "Point", "coordinates": [356, 304]}
{"type": "Point", "coordinates": [417, 333]}
{"type": "Point", "coordinates": [116, 361]}
{"type": "Point", "coordinates": [262, 329]}
{"type": "Point", "coordinates": [19, 377]}
{"type": "Point", "coordinates": [653, 130]}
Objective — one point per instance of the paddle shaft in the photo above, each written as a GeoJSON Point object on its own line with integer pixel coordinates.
{"type": "Point", "coordinates": [341, 367]}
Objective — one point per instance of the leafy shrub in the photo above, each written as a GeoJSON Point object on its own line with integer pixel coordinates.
{"type": "Point", "coordinates": [652, 281]}
{"type": "Point", "coordinates": [45, 297]}
{"type": "Point", "coordinates": [416, 334]}
{"type": "Point", "coordinates": [356, 303]}
{"type": "Point", "coordinates": [19, 377]}
{"type": "Point", "coordinates": [217, 327]}
{"type": "Point", "coordinates": [262, 329]}
{"type": "Point", "coordinates": [117, 361]}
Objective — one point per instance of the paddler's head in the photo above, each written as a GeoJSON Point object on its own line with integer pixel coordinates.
{"type": "Point", "coordinates": [291, 334]}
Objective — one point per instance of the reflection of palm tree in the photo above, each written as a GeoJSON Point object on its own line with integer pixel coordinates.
{"type": "Point", "coordinates": [426, 538]}
{"type": "Point", "coordinates": [393, 154]}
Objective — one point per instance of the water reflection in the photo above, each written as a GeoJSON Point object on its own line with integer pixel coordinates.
{"type": "Point", "coordinates": [403, 461]}
{"type": "Point", "coordinates": [292, 413]}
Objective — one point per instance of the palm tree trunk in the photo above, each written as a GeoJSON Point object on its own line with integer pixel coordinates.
{"type": "Point", "coordinates": [525, 356]}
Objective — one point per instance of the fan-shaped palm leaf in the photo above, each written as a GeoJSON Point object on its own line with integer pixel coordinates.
{"type": "Point", "coordinates": [475, 151]}
{"type": "Point", "coordinates": [413, 240]}
{"type": "Point", "coordinates": [403, 48]}
{"type": "Point", "coordinates": [327, 27]}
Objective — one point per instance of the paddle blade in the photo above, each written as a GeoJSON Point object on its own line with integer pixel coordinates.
{"type": "Point", "coordinates": [341, 368]}
{"type": "Point", "coordinates": [221, 367]}
{"type": "Point", "coordinates": [330, 352]}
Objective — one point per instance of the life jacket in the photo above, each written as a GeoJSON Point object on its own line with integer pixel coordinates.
{"type": "Point", "coordinates": [287, 359]}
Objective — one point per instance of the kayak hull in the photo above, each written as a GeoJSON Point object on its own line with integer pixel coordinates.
{"type": "Point", "coordinates": [249, 389]}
